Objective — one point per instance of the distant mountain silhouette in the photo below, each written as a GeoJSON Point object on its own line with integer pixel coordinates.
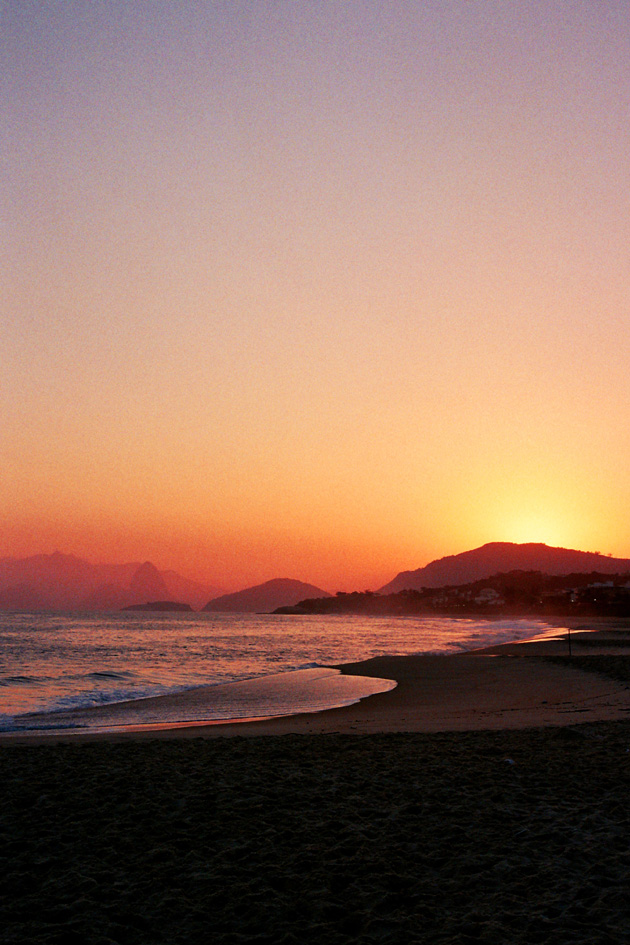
{"type": "Point", "coordinates": [147, 584]}
{"type": "Point", "coordinates": [501, 556]}
{"type": "Point", "coordinates": [263, 598]}
{"type": "Point", "coordinates": [191, 592]}
{"type": "Point", "coordinates": [106, 597]}
{"type": "Point", "coordinates": [20, 597]}
{"type": "Point", "coordinates": [64, 582]}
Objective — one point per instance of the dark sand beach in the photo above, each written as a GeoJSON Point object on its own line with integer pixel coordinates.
{"type": "Point", "coordinates": [507, 821]}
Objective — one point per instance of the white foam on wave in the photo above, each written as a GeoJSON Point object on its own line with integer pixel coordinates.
{"type": "Point", "coordinates": [282, 694]}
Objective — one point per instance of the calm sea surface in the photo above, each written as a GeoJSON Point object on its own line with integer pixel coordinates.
{"type": "Point", "coordinates": [52, 662]}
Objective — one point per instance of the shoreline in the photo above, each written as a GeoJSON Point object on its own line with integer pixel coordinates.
{"type": "Point", "coordinates": [356, 825]}
{"type": "Point", "coordinates": [529, 684]}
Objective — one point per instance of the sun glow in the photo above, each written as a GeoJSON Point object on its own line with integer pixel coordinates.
{"type": "Point", "coordinates": [560, 522]}
{"type": "Point", "coordinates": [536, 528]}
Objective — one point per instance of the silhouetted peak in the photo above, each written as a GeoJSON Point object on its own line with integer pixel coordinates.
{"type": "Point", "coordinates": [61, 581]}
{"type": "Point", "coordinates": [148, 583]}
{"type": "Point", "coordinates": [279, 592]}
{"type": "Point", "coordinates": [148, 566]}
{"type": "Point", "coordinates": [500, 557]}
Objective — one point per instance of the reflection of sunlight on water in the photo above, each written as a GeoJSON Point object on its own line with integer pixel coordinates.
{"type": "Point", "coordinates": [551, 633]}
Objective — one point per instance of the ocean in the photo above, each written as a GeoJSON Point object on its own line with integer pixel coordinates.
{"type": "Point", "coordinates": [260, 665]}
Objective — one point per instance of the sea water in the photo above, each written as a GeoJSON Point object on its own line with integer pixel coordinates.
{"type": "Point", "coordinates": [54, 662]}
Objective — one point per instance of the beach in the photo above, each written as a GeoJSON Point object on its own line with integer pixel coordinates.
{"type": "Point", "coordinates": [482, 799]}
{"type": "Point", "coordinates": [510, 686]}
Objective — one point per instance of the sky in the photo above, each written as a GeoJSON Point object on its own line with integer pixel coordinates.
{"type": "Point", "coordinates": [321, 289]}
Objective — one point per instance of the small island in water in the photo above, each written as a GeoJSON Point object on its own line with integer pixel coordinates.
{"type": "Point", "coordinates": [164, 605]}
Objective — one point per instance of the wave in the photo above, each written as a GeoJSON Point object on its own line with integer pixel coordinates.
{"type": "Point", "coordinates": [270, 696]}
{"type": "Point", "coordinates": [109, 674]}
{"type": "Point", "coordinates": [102, 667]}
{"type": "Point", "coordinates": [99, 675]}
{"type": "Point", "coordinates": [23, 680]}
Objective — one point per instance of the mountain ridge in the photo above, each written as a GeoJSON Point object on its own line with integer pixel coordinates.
{"type": "Point", "coordinates": [266, 597]}
{"type": "Point", "coordinates": [500, 556]}
{"type": "Point", "coordinates": [65, 582]}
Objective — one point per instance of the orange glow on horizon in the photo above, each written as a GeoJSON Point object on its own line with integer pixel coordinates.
{"type": "Point", "coordinates": [323, 294]}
